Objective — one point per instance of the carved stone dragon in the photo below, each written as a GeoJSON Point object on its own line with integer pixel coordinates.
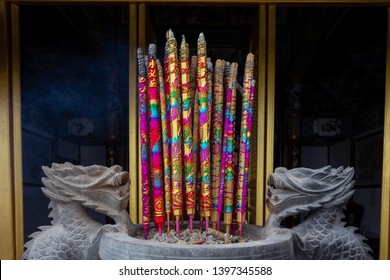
{"type": "Point", "coordinates": [75, 235]}
{"type": "Point", "coordinates": [72, 189]}
{"type": "Point", "coordinates": [323, 193]}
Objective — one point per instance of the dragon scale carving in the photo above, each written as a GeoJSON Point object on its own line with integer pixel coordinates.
{"type": "Point", "coordinates": [72, 189]}
{"type": "Point", "coordinates": [324, 192]}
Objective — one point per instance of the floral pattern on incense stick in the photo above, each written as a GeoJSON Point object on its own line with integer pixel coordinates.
{"type": "Point", "coordinates": [144, 139]}
{"type": "Point", "coordinates": [176, 130]}
{"type": "Point", "coordinates": [217, 136]}
{"type": "Point", "coordinates": [229, 173]}
{"type": "Point", "coordinates": [248, 76]}
{"type": "Point", "coordinates": [204, 129]}
{"type": "Point", "coordinates": [155, 140]}
{"type": "Point", "coordinates": [187, 130]}
{"type": "Point", "coordinates": [188, 138]}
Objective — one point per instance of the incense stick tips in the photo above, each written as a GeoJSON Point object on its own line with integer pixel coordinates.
{"type": "Point", "coordinates": [227, 68]}
{"type": "Point", "coordinates": [141, 62]}
{"type": "Point", "coordinates": [201, 37]}
{"type": "Point", "coordinates": [152, 50]}
{"type": "Point", "coordinates": [166, 47]}
{"type": "Point", "coordinates": [250, 57]}
{"type": "Point", "coordinates": [170, 34]}
{"type": "Point", "coordinates": [209, 64]}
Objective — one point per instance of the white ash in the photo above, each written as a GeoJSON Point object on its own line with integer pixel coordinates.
{"type": "Point", "coordinates": [195, 236]}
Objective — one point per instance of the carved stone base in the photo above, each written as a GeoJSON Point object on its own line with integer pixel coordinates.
{"type": "Point", "coordinates": [120, 246]}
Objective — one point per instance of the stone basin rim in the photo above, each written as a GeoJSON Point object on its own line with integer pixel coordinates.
{"type": "Point", "coordinates": [123, 237]}
{"type": "Point", "coordinates": [254, 231]}
{"type": "Point", "coordinates": [123, 246]}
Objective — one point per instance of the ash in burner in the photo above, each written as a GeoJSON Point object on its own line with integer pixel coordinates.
{"type": "Point", "coordinates": [209, 236]}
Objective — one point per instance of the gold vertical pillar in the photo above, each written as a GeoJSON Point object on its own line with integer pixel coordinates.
{"type": "Point", "coordinates": [265, 107]}
{"type": "Point", "coordinates": [137, 39]}
{"type": "Point", "coordinates": [7, 219]}
{"type": "Point", "coordinates": [141, 43]}
{"type": "Point", "coordinates": [384, 253]}
{"type": "Point", "coordinates": [261, 107]}
{"type": "Point", "coordinates": [17, 132]}
{"type": "Point", "coordinates": [11, 199]}
{"type": "Point", "coordinates": [133, 115]}
{"type": "Point", "coordinates": [270, 111]}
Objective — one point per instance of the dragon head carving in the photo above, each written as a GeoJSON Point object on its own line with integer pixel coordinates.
{"type": "Point", "coordinates": [303, 189]}
{"type": "Point", "coordinates": [104, 189]}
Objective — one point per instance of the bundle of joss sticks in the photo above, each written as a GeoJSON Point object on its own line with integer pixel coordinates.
{"type": "Point", "coordinates": [188, 137]}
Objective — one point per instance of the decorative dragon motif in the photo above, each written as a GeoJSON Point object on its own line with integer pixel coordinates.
{"type": "Point", "coordinates": [71, 189]}
{"type": "Point", "coordinates": [323, 193]}
{"type": "Point", "coordinates": [75, 235]}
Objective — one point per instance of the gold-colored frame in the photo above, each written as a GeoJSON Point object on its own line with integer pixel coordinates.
{"type": "Point", "coordinates": [11, 204]}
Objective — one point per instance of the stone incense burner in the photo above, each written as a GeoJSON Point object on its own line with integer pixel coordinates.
{"type": "Point", "coordinates": [74, 235]}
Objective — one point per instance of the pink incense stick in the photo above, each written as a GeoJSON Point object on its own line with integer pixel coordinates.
{"type": "Point", "coordinates": [204, 130]}
{"type": "Point", "coordinates": [155, 139]}
{"type": "Point", "coordinates": [142, 91]}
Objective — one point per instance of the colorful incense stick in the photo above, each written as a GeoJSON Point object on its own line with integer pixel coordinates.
{"type": "Point", "coordinates": [248, 76]}
{"type": "Point", "coordinates": [165, 145]}
{"type": "Point", "coordinates": [210, 73]}
{"type": "Point", "coordinates": [204, 129]}
{"type": "Point", "coordinates": [222, 169]}
{"type": "Point", "coordinates": [217, 135]}
{"type": "Point", "coordinates": [193, 69]}
{"type": "Point", "coordinates": [176, 131]}
{"type": "Point", "coordinates": [247, 157]}
{"type": "Point", "coordinates": [155, 140]}
{"type": "Point", "coordinates": [195, 130]}
{"type": "Point", "coordinates": [239, 89]}
{"type": "Point", "coordinates": [168, 191]}
{"type": "Point", "coordinates": [226, 76]}
{"type": "Point", "coordinates": [187, 131]}
{"type": "Point", "coordinates": [145, 160]}
{"type": "Point", "coordinates": [229, 173]}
